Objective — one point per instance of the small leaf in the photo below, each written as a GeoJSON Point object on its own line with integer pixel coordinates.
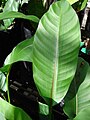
{"type": "Point", "coordinates": [43, 109]}
{"type": "Point", "coordinates": [11, 5]}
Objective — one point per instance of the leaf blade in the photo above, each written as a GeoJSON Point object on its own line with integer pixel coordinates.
{"type": "Point", "coordinates": [51, 55]}
{"type": "Point", "coordinates": [13, 14]}
{"type": "Point", "coordinates": [11, 112]}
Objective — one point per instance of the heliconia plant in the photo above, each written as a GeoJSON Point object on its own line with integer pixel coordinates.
{"type": "Point", "coordinates": [58, 71]}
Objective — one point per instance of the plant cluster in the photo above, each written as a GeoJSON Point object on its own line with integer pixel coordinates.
{"type": "Point", "coordinates": [58, 71]}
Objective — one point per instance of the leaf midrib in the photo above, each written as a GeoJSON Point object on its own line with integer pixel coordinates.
{"type": "Point", "coordinates": [55, 74]}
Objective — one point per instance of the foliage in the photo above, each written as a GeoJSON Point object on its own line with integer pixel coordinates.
{"type": "Point", "coordinates": [80, 5]}
{"type": "Point", "coordinates": [50, 54]}
{"type": "Point", "coordinates": [10, 112]}
{"type": "Point", "coordinates": [57, 70]}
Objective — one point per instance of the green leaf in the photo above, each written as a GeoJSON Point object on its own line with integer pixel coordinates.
{"type": "Point", "coordinates": [43, 109]}
{"type": "Point", "coordinates": [11, 5]}
{"type": "Point", "coordinates": [11, 112]}
{"type": "Point", "coordinates": [80, 5]}
{"type": "Point", "coordinates": [84, 114]}
{"type": "Point", "coordinates": [13, 14]}
{"type": "Point", "coordinates": [55, 51]}
{"type": "Point", "coordinates": [2, 117]}
{"type": "Point", "coordinates": [79, 77]}
{"type": "Point", "coordinates": [22, 52]}
{"type": "Point", "coordinates": [82, 98]}
{"type": "Point", "coordinates": [3, 85]}
{"type": "Point", "coordinates": [72, 1]}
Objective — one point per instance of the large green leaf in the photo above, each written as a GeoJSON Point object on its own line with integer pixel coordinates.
{"type": "Point", "coordinates": [13, 14]}
{"type": "Point", "coordinates": [82, 99]}
{"type": "Point", "coordinates": [11, 5]}
{"type": "Point", "coordinates": [55, 51]}
{"type": "Point", "coordinates": [11, 112]}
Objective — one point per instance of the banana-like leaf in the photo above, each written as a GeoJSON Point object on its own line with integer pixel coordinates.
{"type": "Point", "coordinates": [84, 114]}
{"type": "Point", "coordinates": [80, 99]}
{"type": "Point", "coordinates": [55, 51]}
{"type": "Point", "coordinates": [13, 14]}
{"type": "Point", "coordinates": [11, 5]}
{"type": "Point", "coordinates": [11, 112]}
{"type": "Point", "coordinates": [22, 52]}
{"type": "Point", "coordinates": [3, 85]}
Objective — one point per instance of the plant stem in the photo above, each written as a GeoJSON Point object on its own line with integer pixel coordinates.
{"type": "Point", "coordinates": [8, 95]}
{"type": "Point", "coordinates": [50, 110]}
{"type": "Point", "coordinates": [7, 81]}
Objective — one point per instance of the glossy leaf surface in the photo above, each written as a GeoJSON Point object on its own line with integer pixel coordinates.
{"type": "Point", "coordinates": [55, 51]}
{"type": "Point", "coordinates": [11, 112]}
